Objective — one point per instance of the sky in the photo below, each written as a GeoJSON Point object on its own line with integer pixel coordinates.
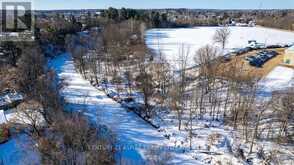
{"type": "Point", "coordinates": [139, 4]}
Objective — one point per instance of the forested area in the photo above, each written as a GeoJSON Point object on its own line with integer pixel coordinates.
{"type": "Point", "coordinates": [59, 135]}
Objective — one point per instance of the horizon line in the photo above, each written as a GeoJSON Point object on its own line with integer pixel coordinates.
{"type": "Point", "coordinates": [162, 9]}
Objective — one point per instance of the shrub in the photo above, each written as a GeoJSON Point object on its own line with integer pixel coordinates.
{"type": "Point", "coordinates": [157, 156]}
{"type": "Point", "coordinates": [4, 133]}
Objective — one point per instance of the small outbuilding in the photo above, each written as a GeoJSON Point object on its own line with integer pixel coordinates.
{"type": "Point", "coordinates": [289, 56]}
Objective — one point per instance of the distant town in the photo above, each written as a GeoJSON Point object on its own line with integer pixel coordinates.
{"type": "Point", "coordinates": [186, 17]}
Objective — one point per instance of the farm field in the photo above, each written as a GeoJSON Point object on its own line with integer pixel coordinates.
{"type": "Point", "coordinates": [168, 41]}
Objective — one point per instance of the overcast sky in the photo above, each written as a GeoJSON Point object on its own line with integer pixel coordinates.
{"type": "Point", "coordinates": [194, 4]}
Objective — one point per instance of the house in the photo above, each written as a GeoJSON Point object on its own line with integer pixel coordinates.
{"type": "Point", "coordinates": [289, 56]}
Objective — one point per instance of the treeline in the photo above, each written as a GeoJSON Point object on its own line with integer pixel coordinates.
{"type": "Point", "coordinates": [51, 32]}
{"type": "Point", "coordinates": [151, 18]}
{"type": "Point", "coordinates": [281, 21]}
{"type": "Point", "coordinates": [168, 18]}
{"type": "Point", "coordinates": [158, 18]}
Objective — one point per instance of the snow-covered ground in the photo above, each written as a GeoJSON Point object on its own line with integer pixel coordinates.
{"type": "Point", "coordinates": [280, 78]}
{"type": "Point", "coordinates": [18, 151]}
{"type": "Point", "coordinates": [211, 143]}
{"type": "Point", "coordinates": [23, 117]}
{"type": "Point", "coordinates": [168, 41]}
{"type": "Point", "coordinates": [2, 117]}
{"type": "Point", "coordinates": [132, 132]}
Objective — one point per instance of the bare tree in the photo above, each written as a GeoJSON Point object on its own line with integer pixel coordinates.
{"type": "Point", "coordinates": [257, 121]}
{"type": "Point", "coordinates": [179, 83]}
{"type": "Point", "coordinates": [29, 114]}
{"type": "Point", "coordinates": [79, 54]}
{"type": "Point", "coordinates": [194, 103]}
{"type": "Point", "coordinates": [30, 66]}
{"type": "Point", "coordinates": [281, 115]}
{"type": "Point", "coordinates": [98, 54]}
{"type": "Point", "coordinates": [162, 78]}
{"type": "Point", "coordinates": [205, 58]}
{"type": "Point", "coordinates": [157, 156]}
{"type": "Point", "coordinates": [145, 84]}
{"type": "Point", "coordinates": [74, 141]}
{"type": "Point", "coordinates": [221, 36]}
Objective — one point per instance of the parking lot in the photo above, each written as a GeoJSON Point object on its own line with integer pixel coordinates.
{"type": "Point", "coordinates": [261, 57]}
{"type": "Point", "coordinates": [254, 70]}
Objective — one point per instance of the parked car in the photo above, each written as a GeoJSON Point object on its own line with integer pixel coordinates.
{"type": "Point", "coordinates": [261, 57]}
{"type": "Point", "coordinates": [273, 52]}
{"type": "Point", "coordinates": [273, 46]}
{"type": "Point", "coordinates": [270, 56]}
{"type": "Point", "coordinates": [256, 63]}
{"type": "Point", "coordinates": [250, 58]}
{"type": "Point", "coordinates": [226, 57]}
{"type": "Point", "coordinates": [255, 45]}
{"type": "Point", "coordinates": [247, 49]}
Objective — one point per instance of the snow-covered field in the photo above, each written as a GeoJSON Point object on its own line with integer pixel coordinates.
{"type": "Point", "coordinates": [132, 132]}
{"type": "Point", "coordinates": [280, 78]}
{"type": "Point", "coordinates": [168, 41]}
